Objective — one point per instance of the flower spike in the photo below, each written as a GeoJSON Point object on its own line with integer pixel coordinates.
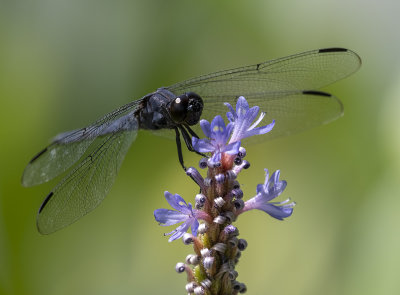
{"type": "Point", "coordinates": [217, 247]}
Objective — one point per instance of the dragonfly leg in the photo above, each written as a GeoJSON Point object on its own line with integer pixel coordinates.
{"type": "Point", "coordinates": [188, 139]}
{"type": "Point", "coordinates": [179, 147]}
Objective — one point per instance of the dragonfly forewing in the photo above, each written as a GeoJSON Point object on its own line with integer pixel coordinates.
{"type": "Point", "coordinates": [304, 71]}
{"type": "Point", "coordinates": [283, 88]}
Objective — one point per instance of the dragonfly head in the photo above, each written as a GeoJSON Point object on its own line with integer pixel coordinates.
{"type": "Point", "coordinates": [186, 108]}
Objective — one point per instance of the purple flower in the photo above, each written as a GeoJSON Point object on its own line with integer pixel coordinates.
{"type": "Point", "coordinates": [184, 213]}
{"type": "Point", "coordinates": [265, 193]}
{"type": "Point", "coordinates": [218, 136]}
{"type": "Point", "coordinates": [243, 119]}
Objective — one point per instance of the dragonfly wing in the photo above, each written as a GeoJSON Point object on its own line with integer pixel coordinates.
{"type": "Point", "coordinates": [86, 186]}
{"type": "Point", "coordinates": [282, 88]}
{"type": "Point", "coordinates": [68, 147]}
{"type": "Point", "coordinates": [304, 71]}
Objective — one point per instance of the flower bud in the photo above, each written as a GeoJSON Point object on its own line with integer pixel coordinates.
{"type": "Point", "coordinates": [237, 193]}
{"type": "Point", "coordinates": [231, 174]}
{"type": "Point", "coordinates": [202, 228]}
{"type": "Point", "coordinates": [203, 163]}
{"type": "Point", "coordinates": [205, 252]}
{"type": "Point", "coordinates": [196, 176]}
{"type": "Point", "coordinates": [236, 184]}
{"type": "Point", "coordinates": [220, 178]}
{"type": "Point", "coordinates": [242, 152]}
{"type": "Point", "coordinates": [199, 290]}
{"type": "Point", "coordinates": [208, 262]}
{"type": "Point", "coordinates": [190, 287]}
{"type": "Point", "coordinates": [200, 200]}
{"type": "Point", "coordinates": [239, 204]}
{"type": "Point", "coordinates": [206, 284]}
{"type": "Point", "coordinates": [219, 202]}
{"type": "Point", "coordinates": [187, 238]}
{"type": "Point", "coordinates": [192, 259]}
{"type": "Point", "coordinates": [207, 181]}
{"type": "Point", "coordinates": [243, 288]}
{"type": "Point", "coordinates": [230, 216]}
{"type": "Point", "coordinates": [180, 267]}
{"type": "Point", "coordinates": [233, 241]}
{"type": "Point", "coordinates": [242, 244]}
{"type": "Point", "coordinates": [236, 286]}
{"type": "Point", "coordinates": [220, 247]}
{"type": "Point", "coordinates": [230, 231]}
{"type": "Point", "coordinates": [239, 167]}
{"type": "Point", "coordinates": [220, 219]}
{"type": "Point", "coordinates": [233, 274]}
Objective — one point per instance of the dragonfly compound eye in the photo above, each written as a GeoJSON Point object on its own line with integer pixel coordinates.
{"type": "Point", "coordinates": [178, 108]}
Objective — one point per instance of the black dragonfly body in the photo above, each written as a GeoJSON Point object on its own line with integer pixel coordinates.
{"type": "Point", "coordinates": [284, 88]}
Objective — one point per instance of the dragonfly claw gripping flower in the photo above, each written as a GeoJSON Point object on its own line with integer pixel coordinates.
{"type": "Point", "coordinates": [216, 244]}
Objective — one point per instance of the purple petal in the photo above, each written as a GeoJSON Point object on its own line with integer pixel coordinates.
{"type": "Point", "coordinates": [169, 217]}
{"type": "Point", "coordinates": [230, 117]}
{"type": "Point", "coordinates": [215, 158]}
{"type": "Point", "coordinates": [275, 176]}
{"type": "Point", "coordinates": [261, 189]}
{"type": "Point", "coordinates": [259, 130]}
{"type": "Point", "coordinates": [232, 148]}
{"type": "Point", "coordinates": [229, 129]}
{"type": "Point", "coordinates": [202, 145]}
{"type": "Point", "coordinates": [241, 106]}
{"type": "Point", "coordinates": [195, 226]}
{"type": "Point", "coordinates": [180, 231]}
{"type": "Point", "coordinates": [217, 128]}
{"type": "Point", "coordinates": [251, 115]}
{"type": "Point", "coordinates": [176, 235]}
{"type": "Point", "coordinates": [206, 127]}
{"type": "Point", "coordinates": [266, 176]}
{"type": "Point", "coordinates": [177, 202]}
{"type": "Point", "coordinates": [232, 112]}
{"type": "Point", "coordinates": [278, 212]}
{"type": "Point", "coordinates": [224, 136]}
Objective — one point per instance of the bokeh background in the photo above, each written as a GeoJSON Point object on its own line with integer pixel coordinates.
{"type": "Point", "coordinates": [63, 64]}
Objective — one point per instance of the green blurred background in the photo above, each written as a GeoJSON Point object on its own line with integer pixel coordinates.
{"type": "Point", "coordinates": [63, 64]}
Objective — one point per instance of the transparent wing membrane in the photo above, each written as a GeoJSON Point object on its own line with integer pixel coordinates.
{"type": "Point", "coordinates": [305, 71]}
{"type": "Point", "coordinates": [281, 88]}
{"type": "Point", "coordinates": [68, 147]}
{"type": "Point", "coordinates": [86, 186]}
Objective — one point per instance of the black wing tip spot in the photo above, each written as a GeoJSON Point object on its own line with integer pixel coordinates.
{"type": "Point", "coordinates": [333, 49]}
{"type": "Point", "coordinates": [38, 155]}
{"type": "Point", "coordinates": [45, 201]}
{"type": "Point", "coordinates": [315, 92]}
{"type": "Point", "coordinates": [258, 66]}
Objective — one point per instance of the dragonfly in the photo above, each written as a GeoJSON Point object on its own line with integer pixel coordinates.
{"type": "Point", "coordinates": [284, 88]}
